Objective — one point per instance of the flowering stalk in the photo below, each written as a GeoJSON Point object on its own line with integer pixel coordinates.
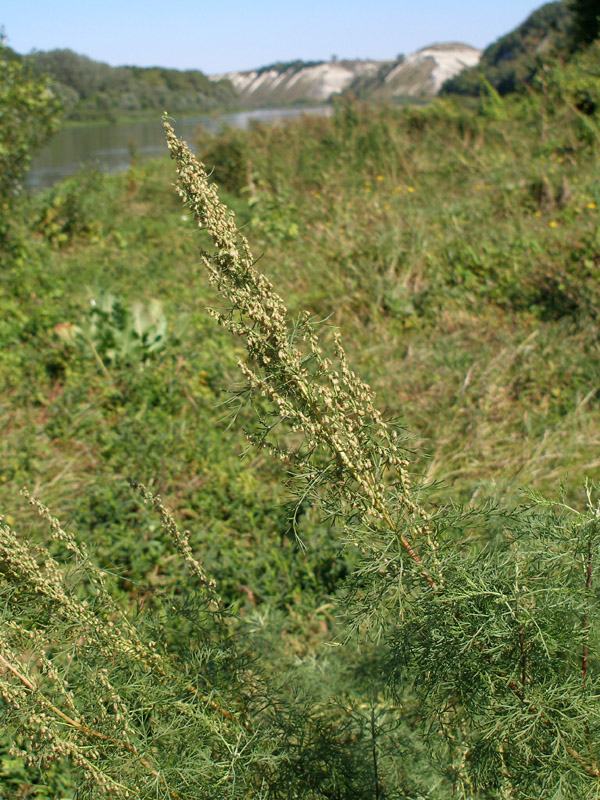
{"type": "Point", "coordinates": [77, 670]}
{"type": "Point", "coordinates": [366, 472]}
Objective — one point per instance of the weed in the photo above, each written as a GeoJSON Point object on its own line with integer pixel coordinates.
{"type": "Point", "coordinates": [467, 301]}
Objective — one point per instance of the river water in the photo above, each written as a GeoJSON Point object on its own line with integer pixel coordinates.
{"type": "Point", "coordinates": [110, 148]}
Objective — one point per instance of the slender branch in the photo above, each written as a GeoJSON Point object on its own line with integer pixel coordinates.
{"type": "Point", "coordinates": [231, 271]}
{"type": "Point", "coordinates": [592, 770]}
{"type": "Point", "coordinates": [523, 660]}
{"type": "Point", "coordinates": [412, 552]}
{"type": "Point", "coordinates": [98, 358]}
{"type": "Point", "coordinates": [87, 731]}
{"type": "Point", "coordinates": [522, 649]}
{"type": "Point", "coordinates": [586, 631]}
{"type": "Point", "coordinates": [586, 621]}
{"type": "Point", "coordinates": [374, 751]}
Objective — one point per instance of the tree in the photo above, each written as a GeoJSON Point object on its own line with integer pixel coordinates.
{"type": "Point", "coordinates": [28, 116]}
{"type": "Point", "coordinates": [586, 21]}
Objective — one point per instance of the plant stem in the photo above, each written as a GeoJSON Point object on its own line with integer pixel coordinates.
{"type": "Point", "coordinates": [586, 621]}
{"type": "Point", "coordinates": [90, 732]}
{"type": "Point", "coordinates": [374, 751]}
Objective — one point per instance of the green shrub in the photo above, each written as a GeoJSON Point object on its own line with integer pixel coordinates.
{"type": "Point", "coordinates": [28, 116]}
{"type": "Point", "coordinates": [69, 210]}
{"type": "Point", "coordinates": [227, 156]}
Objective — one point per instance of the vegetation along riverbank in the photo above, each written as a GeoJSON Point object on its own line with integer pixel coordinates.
{"type": "Point", "coordinates": [388, 596]}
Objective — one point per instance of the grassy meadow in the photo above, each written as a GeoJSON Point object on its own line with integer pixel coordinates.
{"type": "Point", "coordinates": [457, 252]}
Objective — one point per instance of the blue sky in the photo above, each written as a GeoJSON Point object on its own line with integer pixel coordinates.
{"type": "Point", "coordinates": [223, 35]}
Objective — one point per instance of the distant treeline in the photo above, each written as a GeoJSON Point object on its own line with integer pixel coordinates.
{"type": "Point", "coordinates": [283, 66]}
{"type": "Point", "coordinates": [90, 90]}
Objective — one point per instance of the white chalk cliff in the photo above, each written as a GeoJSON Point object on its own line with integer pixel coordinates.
{"type": "Point", "coordinates": [315, 82]}
{"type": "Point", "coordinates": [419, 74]}
{"type": "Point", "coordinates": [424, 72]}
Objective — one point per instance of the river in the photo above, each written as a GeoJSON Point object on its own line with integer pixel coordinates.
{"type": "Point", "coordinates": [110, 148]}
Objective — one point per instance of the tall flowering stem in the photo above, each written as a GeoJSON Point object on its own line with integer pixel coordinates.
{"type": "Point", "coordinates": [348, 455]}
{"type": "Point", "coordinates": [81, 679]}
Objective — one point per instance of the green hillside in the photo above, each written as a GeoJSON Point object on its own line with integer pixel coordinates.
{"type": "Point", "coordinates": [514, 59]}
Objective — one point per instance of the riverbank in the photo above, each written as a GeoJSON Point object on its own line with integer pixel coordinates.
{"type": "Point", "coordinates": [156, 114]}
{"type": "Point", "coordinates": [114, 147]}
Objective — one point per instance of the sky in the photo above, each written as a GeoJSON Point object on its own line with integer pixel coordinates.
{"type": "Point", "coordinates": [231, 35]}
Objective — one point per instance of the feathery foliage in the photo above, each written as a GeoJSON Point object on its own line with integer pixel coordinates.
{"type": "Point", "coordinates": [495, 640]}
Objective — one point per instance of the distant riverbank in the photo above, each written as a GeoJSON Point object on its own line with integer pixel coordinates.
{"type": "Point", "coordinates": [111, 147]}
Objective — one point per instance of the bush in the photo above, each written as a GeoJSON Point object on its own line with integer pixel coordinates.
{"type": "Point", "coordinates": [28, 116]}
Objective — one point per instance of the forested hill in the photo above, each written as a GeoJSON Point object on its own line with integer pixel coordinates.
{"type": "Point", "coordinates": [91, 89]}
{"type": "Point", "coordinates": [513, 59]}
